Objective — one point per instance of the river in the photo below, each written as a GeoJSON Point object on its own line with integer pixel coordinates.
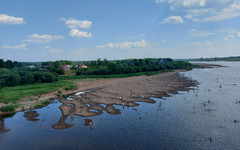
{"type": "Point", "coordinates": [207, 117]}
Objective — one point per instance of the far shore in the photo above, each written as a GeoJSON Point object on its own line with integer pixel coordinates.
{"type": "Point", "coordinates": [122, 90]}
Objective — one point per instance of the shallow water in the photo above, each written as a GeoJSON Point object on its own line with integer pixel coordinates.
{"type": "Point", "coordinates": [204, 118]}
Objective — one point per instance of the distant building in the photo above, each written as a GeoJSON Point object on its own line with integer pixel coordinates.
{"type": "Point", "coordinates": [161, 61]}
{"type": "Point", "coordinates": [83, 66]}
{"type": "Point", "coordinates": [66, 67]}
{"type": "Point", "coordinates": [30, 66]}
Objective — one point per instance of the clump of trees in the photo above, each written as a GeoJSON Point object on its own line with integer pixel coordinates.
{"type": "Point", "coordinates": [20, 75]}
{"type": "Point", "coordinates": [23, 76]}
{"type": "Point", "coordinates": [104, 67]}
{"type": "Point", "coordinates": [55, 66]}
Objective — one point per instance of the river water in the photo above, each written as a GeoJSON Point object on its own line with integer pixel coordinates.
{"type": "Point", "coordinates": [207, 117]}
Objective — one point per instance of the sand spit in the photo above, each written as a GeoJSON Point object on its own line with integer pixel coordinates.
{"type": "Point", "coordinates": [124, 92]}
{"type": "Point", "coordinates": [205, 65]}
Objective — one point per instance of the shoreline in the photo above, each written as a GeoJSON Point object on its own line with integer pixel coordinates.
{"type": "Point", "coordinates": [131, 89]}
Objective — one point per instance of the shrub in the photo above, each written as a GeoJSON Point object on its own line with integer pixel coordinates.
{"type": "Point", "coordinates": [71, 87]}
{"type": "Point", "coordinates": [8, 108]}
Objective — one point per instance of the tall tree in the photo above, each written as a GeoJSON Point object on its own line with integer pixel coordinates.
{"type": "Point", "coordinates": [9, 64]}
{"type": "Point", "coordinates": [2, 63]}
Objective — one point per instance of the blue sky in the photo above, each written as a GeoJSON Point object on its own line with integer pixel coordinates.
{"type": "Point", "coordinates": [44, 30]}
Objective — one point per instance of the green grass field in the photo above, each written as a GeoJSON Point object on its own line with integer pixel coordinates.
{"type": "Point", "coordinates": [13, 94]}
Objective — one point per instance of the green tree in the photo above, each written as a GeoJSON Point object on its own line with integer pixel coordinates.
{"type": "Point", "coordinates": [2, 63]}
{"type": "Point", "coordinates": [9, 64]}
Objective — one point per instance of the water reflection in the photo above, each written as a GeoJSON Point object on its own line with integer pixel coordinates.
{"type": "Point", "coordinates": [88, 122]}
{"type": "Point", "coordinates": [61, 124]}
{"type": "Point", "coordinates": [31, 116]}
{"type": "Point", "coordinates": [75, 105]}
{"type": "Point", "coordinates": [2, 127]}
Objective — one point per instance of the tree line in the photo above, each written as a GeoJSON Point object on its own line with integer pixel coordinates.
{"type": "Point", "coordinates": [18, 73]}
{"type": "Point", "coordinates": [104, 67]}
{"type": "Point", "coordinates": [233, 58]}
{"type": "Point", "coordinates": [23, 75]}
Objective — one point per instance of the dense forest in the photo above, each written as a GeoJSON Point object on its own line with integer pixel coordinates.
{"type": "Point", "coordinates": [233, 58]}
{"type": "Point", "coordinates": [20, 73]}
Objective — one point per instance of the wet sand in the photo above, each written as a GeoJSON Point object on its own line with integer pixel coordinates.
{"type": "Point", "coordinates": [124, 90]}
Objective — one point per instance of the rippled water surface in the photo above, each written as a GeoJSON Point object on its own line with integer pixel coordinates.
{"type": "Point", "coordinates": [205, 118]}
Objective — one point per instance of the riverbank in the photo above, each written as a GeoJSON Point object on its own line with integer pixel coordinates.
{"type": "Point", "coordinates": [117, 90]}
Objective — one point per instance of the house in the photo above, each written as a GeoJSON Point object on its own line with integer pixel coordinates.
{"type": "Point", "coordinates": [83, 66]}
{"type": "Point", "coordinates": [30, 66]}
{"type": "Point", "coordinates": [66, 67]}
{"type": "Point", "coordinates": [161, 60]}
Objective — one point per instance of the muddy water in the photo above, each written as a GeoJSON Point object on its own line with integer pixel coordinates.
{"type": "Point", "coordinates": [205, 118]}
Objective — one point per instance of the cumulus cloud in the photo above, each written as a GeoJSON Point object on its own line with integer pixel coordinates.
{"type": "Point", "coordinates": [173, 19]}
{"type": "Point", "coordinates": [21, 46]}
{"type": "Point", "coordinates": [229, 37]}
{"type": "Point", "coordinates": [238, 34]}
{"type": "Point", "coordinates": [205, 10]}
{"type": "Point", "coordinates": [5, 19]}
{"type": "Point", "coordinates": [126, 44]}
{"type": "Point", "coordinates": [77, 33]}
{"type": "Point", "coordinates": [74, 23]}
{"type": "Point", "coordinates": [36, 38]}
{"type": "Point", "coordinates": [206, 43]}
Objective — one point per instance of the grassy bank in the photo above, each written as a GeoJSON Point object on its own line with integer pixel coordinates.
{"type": "Point", "coordinates": [13, 94]}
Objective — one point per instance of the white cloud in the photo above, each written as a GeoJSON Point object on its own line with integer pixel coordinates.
{"type": "Point", "coordinates": [193, 30]}
{"type": "Point", "coordinates": [201, 33]}
{"type": "Point", "coordinates": [173, 19]}
{"type": "Point", "coordinates": [52, 50]}
{"type": "Point", "coordinates": [74, 23]}
{"type": "Point", "coordinates": [164, 41]}
{"type": "Point", "coordinates": [125, 45]}
{"type": "Point", "coordinates": [77, 33]}
{"type": "Point", "coordinates": [228, 30]}
{"type": "Point", "coordinates": [229, 37]}
{"type": "Point", "coordinates": [205, 10]}
{"type": "Point", "coordinates": [5, 19]}
{"type": "Point", "coordinates": [206, 43]}
{"type": "Point", "coordinates": [160, 1]}
{"type": "Point", "coordinates": [35, 38]}
{"type": "Point", "coordinates": [238, 34]}
{"type": "Point", "coordinates": [21, 46]}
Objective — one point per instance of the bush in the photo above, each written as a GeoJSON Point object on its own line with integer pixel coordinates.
{"type": "Point", "coordinates": [72, 87]}
{"type": "Point", "coordinates": [8, 108]}
{"type": "Point", "coordinates": [59, 71]}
